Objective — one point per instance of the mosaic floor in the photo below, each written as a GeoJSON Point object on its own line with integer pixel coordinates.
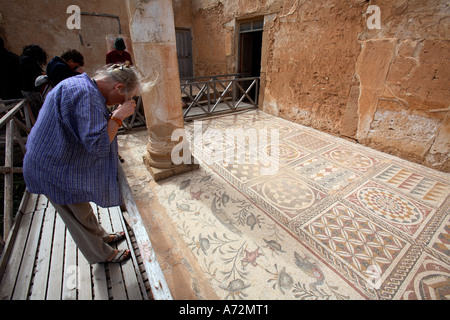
{"type": "Point", "coordinates": [287, 212]}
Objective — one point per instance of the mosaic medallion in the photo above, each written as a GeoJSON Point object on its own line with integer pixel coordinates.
{"type": "Point", "coordinates": [284, 152]}
{"type": "Point", "coordinates": [288, 193]}
{"type": "Point", "coordinates": [389, 206]}
{"type": "Point", "coordinates": [350, 158]}
{"type": "Point", "coordinates": [224, 148]}
{"type": "Point", "coordinates": [282, 129]}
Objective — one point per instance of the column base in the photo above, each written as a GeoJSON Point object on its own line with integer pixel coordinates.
{"type": "Point", "coordinates": [164, 173]}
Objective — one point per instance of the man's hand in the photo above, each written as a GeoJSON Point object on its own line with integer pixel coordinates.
{"type": "Point", "coordinates": [124, 110]}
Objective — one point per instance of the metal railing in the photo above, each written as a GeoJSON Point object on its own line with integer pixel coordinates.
{"type": "Point", "coordinates": [14, 113]}
{"type": "Point", "coordinates": [206, 96]}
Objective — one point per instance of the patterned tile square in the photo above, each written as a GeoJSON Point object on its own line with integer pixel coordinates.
{"type": "Point", "coordinates": [415, 184]}
{"type": "Point", "coordinates": [428, 280]}
{"type": "Point", "coordinates": [247, 165]}
{"type": "Point", "coordinates": [283, 127]}
{"type": "Point", "coordinates": [361, 244]}
{"type": "Point", "coordinates": [211, 150]}
{"type": "Point", "coordinates": [325, 173]}
{"type": "Point", "coordinates": [352, 159]}
{"type": "Point", "coordinates": [308, 141]}
{"type": "Point", "coordinates": [288, 194]}
{"type": "Point", "coordinates": [391, 207]}
{"type": "Point", "coordinates": [284, 152]}
{"type": "Point", "coordinates": [441, 240]}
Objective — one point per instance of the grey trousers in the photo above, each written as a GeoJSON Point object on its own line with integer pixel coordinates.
{"type": "Point", "coordinates": [85, 230]}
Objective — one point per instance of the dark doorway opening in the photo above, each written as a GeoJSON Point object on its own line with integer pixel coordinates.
{"type": "Point", "coordinates": [250, 47]}
{"type": "Point", "coordinates": [184, 52]}
{"type": "Point", "coordinates": [250, 54]}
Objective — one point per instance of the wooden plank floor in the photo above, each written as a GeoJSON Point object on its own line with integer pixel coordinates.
{"type": "Point", "coordinates": [41, 261]}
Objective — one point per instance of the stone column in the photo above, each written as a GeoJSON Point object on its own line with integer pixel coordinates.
{"type": "Point", "coordinates": [152, 30]}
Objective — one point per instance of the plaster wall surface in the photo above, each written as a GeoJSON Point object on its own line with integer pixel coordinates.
{"type": "Point", "coordinates": [25, 22]}
{"type": "Point", "coordinates": [323, 67]}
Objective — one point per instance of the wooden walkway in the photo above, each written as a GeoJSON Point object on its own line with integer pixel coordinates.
{"type": "Point", "coordinates": [43, 261]}
{"type": "Point", "coordinates": [40, 260]}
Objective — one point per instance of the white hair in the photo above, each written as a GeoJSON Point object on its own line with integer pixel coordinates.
{"type": "Point", "coordinates": [128, 75]}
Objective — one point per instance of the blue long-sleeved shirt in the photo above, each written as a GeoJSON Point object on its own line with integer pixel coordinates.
{"type": "Point", "coordinates": [69, 157]}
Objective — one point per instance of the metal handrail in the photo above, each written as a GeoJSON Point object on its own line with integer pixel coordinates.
{"type": "Point", "coordinates": [206, 93]}
{"type": "Point", "coordinates": [12, 124]}
{"type": "Point", "coordinates": [233, 75]}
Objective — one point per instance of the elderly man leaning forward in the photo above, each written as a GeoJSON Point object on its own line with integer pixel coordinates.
{"type": "Point", "coordinates": [72, 153]}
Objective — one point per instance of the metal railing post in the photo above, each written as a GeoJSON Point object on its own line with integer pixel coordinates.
{"type": "Point", "coordinates": [8, 187]}
{"type": "Point", "coordinates": [9, 121]}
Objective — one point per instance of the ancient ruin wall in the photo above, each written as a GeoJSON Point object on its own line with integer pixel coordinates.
{"type": "Point", "coordinates": [404, 97]}
{"type": "Point", "coordinates": [311, 64]}
{"type": "Point", "coordinates": [24, 22]}
{"type": "Point", "coordinates": [323, 67]}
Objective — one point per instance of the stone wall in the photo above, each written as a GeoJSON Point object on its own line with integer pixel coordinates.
{"type": "Point", "coordinates": [404, 97]}
{"type": "Point", "coordinates": [24, 22]}
{"type": "Point", "coordinates": [322, 66]}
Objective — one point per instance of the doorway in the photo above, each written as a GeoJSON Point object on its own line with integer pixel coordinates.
{"type": "Point", "coordinates": [184, 52]}
{"type": "Point", "coordinates": [250, 47]}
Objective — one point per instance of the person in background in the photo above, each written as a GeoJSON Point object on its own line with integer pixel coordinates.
{"type": "Point", "coordinates": [31, 64]}
{"type": "Point", "coordinates": [118, 54]}
{"type": "Point", "coordinates": [68, 65]}
{"type": "Point", "coordinates": [72, 153]}
{"type": "Point", "coordinates": [9, 77]}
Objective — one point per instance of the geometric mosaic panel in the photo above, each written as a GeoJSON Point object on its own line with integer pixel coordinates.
{"type": "Point", "coordinates": [355, 239]}
{"type": "Point", "coordinates": [325, 173]}
{"type": "Point", "coordinates": [284, 152]}
{"type": "Point", "coordinates": [441, 241]}
{"type": "Point", "coordinates": [429, 280]}
{"type": "Point", "coordinates": [289, 195]}
{"type": "Point", "coordinates": [391, 207]}
{"type": "Point", "coordinates": [247, 166]}
{"type": "Point", "coordinates": [414, 184]}
{"type": "Point", "coordinates": [352, 159]}
{"type": "Point", "coordinates": [308, 141]}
